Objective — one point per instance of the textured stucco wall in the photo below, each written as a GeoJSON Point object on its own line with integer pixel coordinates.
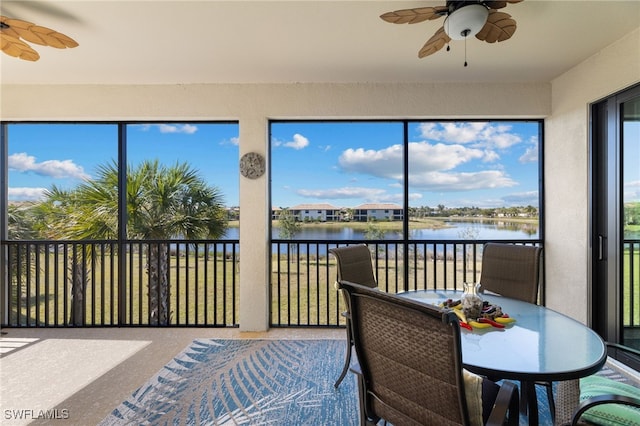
{"type": "Point", "coordinates": [567, 168]}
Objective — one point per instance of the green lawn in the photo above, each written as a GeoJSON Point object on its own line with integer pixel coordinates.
{"type": "Point", "coordinates": [631, 288]}
{"type": "Point", "coordinates": [198, 294]}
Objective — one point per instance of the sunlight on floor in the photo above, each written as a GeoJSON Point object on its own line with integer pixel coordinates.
{"type": "Point", "coordinates": [8, 344]}
{"type": "Point", "coordinates": [58, 368]}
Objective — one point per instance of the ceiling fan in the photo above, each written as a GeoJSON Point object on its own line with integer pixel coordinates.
{"type": "Point", "coordinates": [14, 33]}
{"type": "Point", "coordinates": [463, 19]}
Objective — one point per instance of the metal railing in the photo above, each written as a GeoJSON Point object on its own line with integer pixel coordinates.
{"type": "Point", "coordinates": [631, 289]}
{"type": "Point", "coordinates": [136, 283]}
{"type": "Point", "coordinates": [86, 283]}
{"type": "Point", "coordinates": [303, 276]}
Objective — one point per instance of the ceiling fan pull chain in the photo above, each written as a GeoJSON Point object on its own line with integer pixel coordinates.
{"type": "Point", "coordinates": [465, 51]}
{"type": "Point", "coordinates": [448, 46]}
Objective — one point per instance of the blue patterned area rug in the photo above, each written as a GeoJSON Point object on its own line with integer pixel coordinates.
{"type": "Point", "coordinates": [246, 382]}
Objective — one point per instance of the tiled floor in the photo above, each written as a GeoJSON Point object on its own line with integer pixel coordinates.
{"type": "Point", "coordinates": [80, 375]}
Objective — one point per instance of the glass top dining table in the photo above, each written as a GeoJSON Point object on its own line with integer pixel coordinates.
{"type": "Point", "coordinates": [541, 345]}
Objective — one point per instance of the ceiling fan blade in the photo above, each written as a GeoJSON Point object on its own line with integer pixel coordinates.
{"type": "Point", "coordinates": [499, 27]}
{"type": "Point", "coordinates": [499, 4]}
{"type": "Point", "coordinates": [53, 38]}
{"type": "Point", "coordinates": [413, 16]}
{"type": "Point", "coordinates": [15, 47]}
{"type": "Point", "coordinates": [37, 34]}
{"type": "Point", "coordinates": [435, 43]}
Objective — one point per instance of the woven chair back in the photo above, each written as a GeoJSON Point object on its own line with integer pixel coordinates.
{"type": "Point", "coordinates": [354, 264]}
{"type": "Point", "coordinates": [511, 271]}
{"type": "Point", "coordinates": [410, 359]}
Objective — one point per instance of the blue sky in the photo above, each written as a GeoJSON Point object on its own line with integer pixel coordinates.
{"type": "Point", "coordinates": [484, 164]}
{"type": "Point", "coordinates": [63, 154]}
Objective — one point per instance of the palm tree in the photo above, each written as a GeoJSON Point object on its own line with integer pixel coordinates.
{"type": "Point", "coordinates": [20, 222]}
{"type": "Point", "coordinates": [166, 203]}
{"type": "Point", "coordinates": [21, 226]}
{"type": "Point", "coordinates": [162, 203]}
{"type": "Point", "coordinates": [66, 215]}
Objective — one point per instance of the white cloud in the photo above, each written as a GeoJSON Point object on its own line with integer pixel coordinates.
{"type": "Point", "coordinates": [431, 166]}
{"type": "Point", "coordinates": [453, 132]}
{"type": "Point", "coordinates": [477, 134]}
{"type": "Point", "coordinates": [169, 128]}
{"type": "Point", "coordinates": [341, 193]}
{"type": "Point", "coordinates": [490, 156]}
{"type": "Point", "coordinates": [531, 153]}
{"type": "Point", "coordinates": [235, 141]}
{"type": "Point", "coordinates": [298, 142]}
{"type": "Point", "coordinates": [26, 194]}
{"type": "Point", "coordinates": [423, 158]}
{"type": "Point", "coordinates": [24, 163]}
{"type": "Point", "coordinates": [529, 156]}
{"type": "Point", "coordinates": [383, 163]}
{"type": "Point", "coordinates": [503, 140]}
{"type": "Point", "coordinates": [177, 128]}
{"type": "Point", "coordinates": [448, 182]}
{"type": "Point", "coordinates": [435, 164]}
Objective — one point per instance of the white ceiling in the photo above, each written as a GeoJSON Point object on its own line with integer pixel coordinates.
{"type": "Point", "coordinates": [211, 41]}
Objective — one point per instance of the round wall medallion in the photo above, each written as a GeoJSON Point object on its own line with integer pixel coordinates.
{"type": "Point", "coordinates": [252, 165]}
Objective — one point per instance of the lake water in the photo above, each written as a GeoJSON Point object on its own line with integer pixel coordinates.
{"type": "Point", "coordinates": [472, 230]}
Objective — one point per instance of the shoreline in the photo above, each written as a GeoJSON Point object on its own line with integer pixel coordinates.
{"type": "Point", "coordinates": [430, 223]}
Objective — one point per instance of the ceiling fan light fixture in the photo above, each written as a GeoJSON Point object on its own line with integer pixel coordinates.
{"type": "Point", "coordinates": [466, 21]}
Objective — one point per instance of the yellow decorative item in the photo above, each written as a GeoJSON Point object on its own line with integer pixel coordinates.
{"type": "Point", "coordinates": [483, 317]}
{"type": "Point", "coordinates": [476, 324]}
{"type": "Point", "coordinates": [460, 314]}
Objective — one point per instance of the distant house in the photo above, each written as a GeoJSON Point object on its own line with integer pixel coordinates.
{"type": "Point", "coordinates": [316, 212]}
{"type": "Point", "coordinates": [322, 212]}
{"type": "Point", "coordinates": [275, 213]}
{"type": "Point", "coordinates": [378, 211]}
{"type": "Point", "coordinates": [233, 213]}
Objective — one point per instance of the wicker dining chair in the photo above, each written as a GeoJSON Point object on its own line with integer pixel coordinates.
{"type": "Point", "coordinates": [607, 397]}
{"type": "Point", "coordinates": [354, 265]}
{"type": "Point", "coordinates": [514, 271]}
{"type": "Point", "coordinates": [511, 271]}
{"type": "Point", "coordinates": [409, 365]}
